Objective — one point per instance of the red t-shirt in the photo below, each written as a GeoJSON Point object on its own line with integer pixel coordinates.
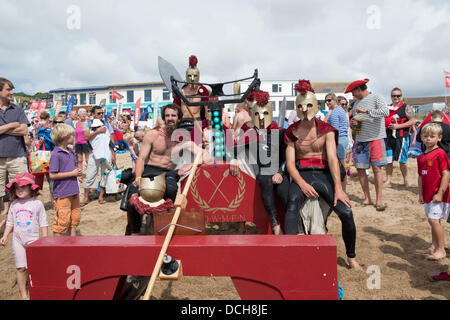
{"type": "Point", "coordinates": [430, 166]}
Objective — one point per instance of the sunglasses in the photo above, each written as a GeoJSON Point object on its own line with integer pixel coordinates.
{"type": "Point", "coordinates": [343, 104]}
{"type": "Point", "coordinates": [99, 113]}
{"type": "Point", "coordinates": [56, 122]}
{"type": "Point", "coordinates": [396, 96]}
{"type": "Point", "coordinates": [328, 100]}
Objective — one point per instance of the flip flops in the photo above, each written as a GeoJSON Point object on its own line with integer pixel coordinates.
{"type": "Point", "coordinates": [443, 276]}
{"type": "Point", "coordinates": [362, 204]}
{"type": "Point", "coordinates": [380, 207]}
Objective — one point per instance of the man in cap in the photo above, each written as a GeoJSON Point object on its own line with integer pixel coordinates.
{"type": "Point", "coordinates": [311, 160]}
{"type": "Point", "coordinates": [369, 111]}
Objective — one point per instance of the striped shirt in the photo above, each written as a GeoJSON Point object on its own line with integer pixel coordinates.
{"type": "Point", "coordinates": [373, 127]}
{"type": "Point", "coordinates": [339, 119]}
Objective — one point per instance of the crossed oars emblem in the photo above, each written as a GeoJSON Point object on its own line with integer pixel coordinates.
{"type": "Point", "coordinates": [225, 175]}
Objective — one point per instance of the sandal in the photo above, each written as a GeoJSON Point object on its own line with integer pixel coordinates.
{"type": "Point", "coordinates": [363, 204]}
{"type": "Point", "coordinates": [83, 204]}
{"type": "Point", "coordinates": [380, 207]}
{"type": "Point", "coordinates": [443, 276]}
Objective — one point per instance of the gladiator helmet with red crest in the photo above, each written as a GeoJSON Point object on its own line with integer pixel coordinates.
{"type": "Point", "coordinates": [192, 73]}
{"type": "Point", "coordinates": [306, 100]}
{"type": "Point", "coordinates": [261, 111]}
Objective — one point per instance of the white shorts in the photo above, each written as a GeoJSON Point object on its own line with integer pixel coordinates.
{"type": "Point", "coordinates": [437, 210]}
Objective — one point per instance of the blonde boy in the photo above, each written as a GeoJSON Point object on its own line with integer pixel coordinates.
{"type": "Point", "coordinates": [64, 172]}
{"type": "Point", "coordinates": [433, 169]}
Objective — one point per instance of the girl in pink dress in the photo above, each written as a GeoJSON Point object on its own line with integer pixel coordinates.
{"type": "Point", "coordinates": [81, 145]}
{"type": "Point", "coordinates": [26, 216]}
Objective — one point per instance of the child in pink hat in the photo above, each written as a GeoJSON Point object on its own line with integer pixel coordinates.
{"type": "Point", "coordinates": [26, 216]}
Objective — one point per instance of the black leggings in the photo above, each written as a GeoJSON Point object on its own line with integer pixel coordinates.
{"type": "Point", "coordinates": [268, 197]}
{"type": "Point", "coordinates": [322, 182]}
{"type": "Point", "coordinates": [134, 218]}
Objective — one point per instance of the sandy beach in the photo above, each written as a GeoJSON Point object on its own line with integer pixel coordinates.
{"type": "Point", "coordinates": [387, 240]}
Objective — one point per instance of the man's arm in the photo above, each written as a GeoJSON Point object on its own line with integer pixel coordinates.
{"type": "Point", "coordinates": [20, 131]}
{"type": "Point", "coordinates": [8, 127]}
{"type": "Point", "coordinates": [333, 163]}
{"type": "Point", "coordinates": [144, 153]}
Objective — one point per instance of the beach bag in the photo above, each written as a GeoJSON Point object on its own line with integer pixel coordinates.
{"type": "Point", "coordinates": [113, 181]}
{"type": "Point", "coordinates": [39, 161]}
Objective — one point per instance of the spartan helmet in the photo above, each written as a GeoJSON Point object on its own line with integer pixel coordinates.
{"type": "Point", "coordinates": [192, 73]}
{"type": "Point", "coordinates": [261, 110]}
{"type": "Point", "coordinates": [306, 100]}
{"type": "Point", "coordinates": [153, 189]}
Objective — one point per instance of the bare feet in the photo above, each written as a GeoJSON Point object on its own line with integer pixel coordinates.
{"type": "Point", "coordinates": [353, 264]}
{"type": "Point", "coordinates": [429, 251]}
{"type": "Point", "coordinates": [437, 255]}
{"type": "Point", "coordinates": [277, 230]}
{"type": "Point", "coordinates": [83, 204]}
{"type": "Point", "coordinates": [388, 184]}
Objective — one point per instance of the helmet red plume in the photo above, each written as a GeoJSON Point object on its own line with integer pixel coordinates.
{"type": "Point", "coordinates": [262, 98]}
{"type": "Point", "coordinates": [303, 86]}
{"type": "Point", "coordinates": [193, 61]}
{"type": "Point", "coordinates": [251, 96]}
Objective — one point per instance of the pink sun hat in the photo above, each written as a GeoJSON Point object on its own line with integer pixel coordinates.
{"type": "Point", "coordinates": [23, 179]}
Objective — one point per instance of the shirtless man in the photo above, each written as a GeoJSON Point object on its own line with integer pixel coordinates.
{"type": "Point", "coordinates": [155, 158]}
{"type": "Point", "coordinates": [192, 89]}
{"type": "Point", "coordinates": [312, 163]}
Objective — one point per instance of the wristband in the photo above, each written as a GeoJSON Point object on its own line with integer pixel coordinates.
{"type": "Point", "coordinates": [138, 178]}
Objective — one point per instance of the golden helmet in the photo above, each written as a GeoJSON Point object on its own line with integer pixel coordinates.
{"type": "Point", "coordinates": [153, 189]}
{"type": "Point", "coordinates": [261, 110]}
{"type": "Point", "coordinates": [192, 73]}
{"type": "Point", "coordinates": [306, 100]}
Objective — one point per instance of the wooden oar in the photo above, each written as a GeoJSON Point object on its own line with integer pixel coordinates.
{"type": "Point", "coordinates": [169, 235]}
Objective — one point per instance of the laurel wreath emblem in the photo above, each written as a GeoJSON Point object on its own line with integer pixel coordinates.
{"type": "Point", "coordinates": [205, 206]}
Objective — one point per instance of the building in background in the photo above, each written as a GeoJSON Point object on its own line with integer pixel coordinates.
{"type": "Point", "coordinates": [86, 97]}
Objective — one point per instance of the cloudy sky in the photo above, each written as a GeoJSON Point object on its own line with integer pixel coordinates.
{"type": "Point", "coordinates": [48, 44]}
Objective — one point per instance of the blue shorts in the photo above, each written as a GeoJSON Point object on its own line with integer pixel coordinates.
{"type": "Point", "coordinates": [369, 153]}
{"type": "Point", "coordinates": [397, 149]}
{"type": "Point", "coordinates": [342, 147]}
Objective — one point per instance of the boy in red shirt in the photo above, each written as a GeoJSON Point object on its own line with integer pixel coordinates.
{"type": "Point", "coordinates": [433, 169]}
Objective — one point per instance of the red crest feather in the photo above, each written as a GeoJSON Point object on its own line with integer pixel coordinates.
{"type": "Point", "coordinates": [193, 61]}
{"type": "Point", "coordinates": [251, 96]}
{"type": "Point", "coordinates": [303, 86]}
{"type": "Point", "coordinates": [262, 98]}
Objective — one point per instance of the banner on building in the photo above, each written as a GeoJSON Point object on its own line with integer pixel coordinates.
{"type": "Point", "coordinates": [41, 107]}
{"type": "Point", "coordinates": [58, 106]}
{"type": "Point", "coordinates": [137, 112]}
{"type": "Point", "coordinates": [447, 79]}
{"type": "Point", "coordinates": [70, 105]}
{"type": "Point", "coordinates": [116, 95]}
{"type": "Point", "coordinates": [34, 105]}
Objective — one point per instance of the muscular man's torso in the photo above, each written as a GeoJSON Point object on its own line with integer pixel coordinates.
{"type": "Point", "coordinates": [309, 144]}
{"type": "Point", "coordinates": [196, 110]}
{"type": "Point", "coordinates": [161, 150]}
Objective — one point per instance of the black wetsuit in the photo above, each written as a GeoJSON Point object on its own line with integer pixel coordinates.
{"type": "Point", "coordinates": [272, 152]}
{"type": "Point", "coordinates": [134, 218]}
{"type": "Point", "coordinates": [321, 180]}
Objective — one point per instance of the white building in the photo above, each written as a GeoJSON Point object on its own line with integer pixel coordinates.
{"type": "Point", "coordinates": [86, 97]}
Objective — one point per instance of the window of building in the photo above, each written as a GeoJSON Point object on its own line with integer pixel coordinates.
{"type": "Point", "coordinates": [111, 100]}
{"type": "Point", "coordinates": [130, 96]}
{"type": "Point", "coordinates": [166, 94]}
{"type": "Point", "coordinates": [82, 99]}
{"type": "Point", "coordinates": [92, 98]}
{"type": "Point", "coordinates": [290, 105]}
{"type": "Point", "coordinates": [276, 88]}
{"type": "Point", "coordinates": [147, 95]}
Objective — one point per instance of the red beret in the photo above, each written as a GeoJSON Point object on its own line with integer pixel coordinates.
{"type": "Point", "coordinates": [355, 84]}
